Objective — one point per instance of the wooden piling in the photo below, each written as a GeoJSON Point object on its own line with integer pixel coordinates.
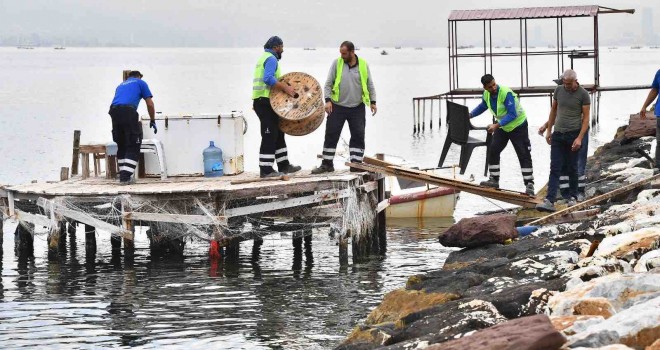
{"type": "Point", "coordinates": [24, 241]}
{"type": "Point", "coordinates": [297, 253]}
{"type": "Point", "coordinates": [129, 245]}
{"type": "Point", "coordinates": [64, 173]}
{"type": "Point", "coordinates": [76, 152]}
{"type": "Point", "coordinates": [90, 243]}
{"type": "Point", "coordinates": [54, 240]}
{"type": "Point", "coordinates": [309, 256]}
{"type": "Point", "coordinates": [71, 231]}
{"type": "Point", "coordinates": [343, 250]}
{"type": "Point", "coordinates": [256, 248]}
{"type": "Point", "coordinates": [381, 222]}
{"type": "Point", "coordinates": [115, 242]}
{"type": "Point", "coordinates": [232, 251]}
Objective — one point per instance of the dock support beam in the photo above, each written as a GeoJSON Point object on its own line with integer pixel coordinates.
{"type": "Point", "coordinates": [256, 248]}
{"type": "Point", "coordinates": [381, 224]}
{"type": "Point", "coordinates": [343, 249]}
{"type": "Point", "coordinates": [71, 230]}
{"type": "Point", "coordinates": [23, 241]}
{"type": "Point", "coordinates": [232, 251]}
{"type": "Point", "coordinates": [129, 245]}
{"type": "Point", "coordinates": [309, 256]}
{"type": "Point", "coordinates": [56, 240]}
{"type": "Point", "coordinates": [90, 243]}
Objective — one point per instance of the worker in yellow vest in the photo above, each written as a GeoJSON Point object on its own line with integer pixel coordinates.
{"type": "Point", "coordinates": [511, 125]}
{"type": "Point", "coordinates": [273, 146]}
{"type": "Point", "coordinates": [348, 90]}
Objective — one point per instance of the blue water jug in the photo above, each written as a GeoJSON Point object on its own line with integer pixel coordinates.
{"type": "Point", "coordinates": [212, 161]}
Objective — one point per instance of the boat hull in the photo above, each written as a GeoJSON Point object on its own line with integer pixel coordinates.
{"type": "Point", "coordinates": [433, 203]}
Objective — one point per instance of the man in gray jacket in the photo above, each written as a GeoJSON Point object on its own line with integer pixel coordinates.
{"type": "Point", "coordinates": [348, 90]}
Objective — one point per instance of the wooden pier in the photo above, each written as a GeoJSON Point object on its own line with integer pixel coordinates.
{"type": "Point", "coordinates": [224, 211]}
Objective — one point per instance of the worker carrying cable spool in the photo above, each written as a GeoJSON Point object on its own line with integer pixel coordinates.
{"type": "Point", "coordinates": [303, 112]}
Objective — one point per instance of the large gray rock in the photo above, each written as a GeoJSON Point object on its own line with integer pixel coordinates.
{"type": "Point", "coordinates": [533, 333]}
{"type": "Point", "coordinates": [621, 292]}
{"type": "Point", "coordinates": [637, 327]}
{"type": "Point", "coordinates": [451, 320]}
{"type": "Point", "coordinates": [479, 231]}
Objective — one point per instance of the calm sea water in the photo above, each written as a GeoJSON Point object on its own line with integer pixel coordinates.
{"type": "Point", "coordinates": [273, 302]}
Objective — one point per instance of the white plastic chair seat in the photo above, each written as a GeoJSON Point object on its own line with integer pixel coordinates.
{"type": "Point", "coordinates": [155, 147]}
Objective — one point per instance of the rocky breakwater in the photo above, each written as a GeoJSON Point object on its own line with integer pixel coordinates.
{"type": "Point", "coordinates": [548, 290]}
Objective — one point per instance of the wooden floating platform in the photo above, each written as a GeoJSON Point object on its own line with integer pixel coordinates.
{"type": "Point", "coordinates": [225, 209]}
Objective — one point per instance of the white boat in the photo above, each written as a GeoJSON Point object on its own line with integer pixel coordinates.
{"type": "Point", "coordinates": [411, 199]}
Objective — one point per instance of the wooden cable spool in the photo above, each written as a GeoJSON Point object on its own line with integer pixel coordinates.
{"type": "Point", "coordinates": [304, 112]}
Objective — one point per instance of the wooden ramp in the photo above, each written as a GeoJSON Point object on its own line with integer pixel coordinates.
{"type": "Point", "coordinates": [513, 197]}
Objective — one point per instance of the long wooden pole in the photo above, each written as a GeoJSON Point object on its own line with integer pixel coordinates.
{"type": "Point", "coordinates": [518, 198]}
{"type": "Point", "coordinates": [76, 152]}
{"type": "Point", "coordinates": [593, 201]}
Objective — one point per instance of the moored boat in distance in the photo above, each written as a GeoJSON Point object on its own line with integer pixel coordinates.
{"type": "Point", "coordinates": [384, 53]}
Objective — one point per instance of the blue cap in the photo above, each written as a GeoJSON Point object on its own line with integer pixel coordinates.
{"type": "Point", "coordinates": [273, 41]}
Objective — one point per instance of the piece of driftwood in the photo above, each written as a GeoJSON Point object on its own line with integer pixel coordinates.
{"type": "Point", "coordinates": [593, 201]}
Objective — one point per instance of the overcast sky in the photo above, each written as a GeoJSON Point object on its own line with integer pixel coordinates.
{"type": "Point", "coordinates": [301, 23]}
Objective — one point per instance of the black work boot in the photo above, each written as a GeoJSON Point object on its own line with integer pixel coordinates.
{"type": "Point", "coordinates": [290, 169]}
{"type": "Point", "coordinates": [491, 182]}
{"type": "Point", "coordinates": [324, 168]}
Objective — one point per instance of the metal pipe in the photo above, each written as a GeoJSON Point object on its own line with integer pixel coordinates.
{"type": "Point", "coordinates": [424, 115]}
{"type": "Point", "coordinates": [598, 109]}
{"type": "Point", "coordinates": [439, 113]}
{"type": "Point", "coordinates": [448, 56]}
{"type": "Point", "coordinates": [596, 54]}
{"type": "Point", "coordinates": [526, 57]}
{"type": "Point", "coordinates": [521, 54]}
{"type": "Point", "coordinates": [490, 40]}
{"type": "Point", "coordinates": [558, 72]}
{"type": "Point", "coordinates": [418, 110]}
{"type": "Point", "coordinates": [414, 125]}
{"type": "Point", "coordinates": [484, 22]}
{"type": "Point", "coordinates": [431, 116]}
{"type": "Point", "coordinates": [561, 22]}
{"type": "Point", "coordinates": [456, 52]}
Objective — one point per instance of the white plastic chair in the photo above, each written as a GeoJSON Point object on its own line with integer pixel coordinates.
{"type": "Point", "coordinates": [156, 147]}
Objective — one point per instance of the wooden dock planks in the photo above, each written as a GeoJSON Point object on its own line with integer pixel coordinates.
{"type": "Point", "coordinates": [513, 197]}
{"type": "Point", "coordinates": [99, 186]}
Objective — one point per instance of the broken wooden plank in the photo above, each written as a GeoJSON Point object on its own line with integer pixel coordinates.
{"type": "Point", "coordinates": [81, 217]}
{"type": "Point", "coordinates": [36, 219]}
{"type": "Point", "coordinates": [593, 201]}
{"type": "Point", "coordinates": [176, 218]}
{"type": "Point", "coordinates": [382, 206]}
{"type": "Point", "coordinates": [319, 197]}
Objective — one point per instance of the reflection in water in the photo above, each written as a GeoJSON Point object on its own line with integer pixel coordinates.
{"type": "Point", "coordinates": [280, 293]}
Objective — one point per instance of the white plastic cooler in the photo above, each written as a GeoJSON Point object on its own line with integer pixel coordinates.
{"type": "Point", "coordinates": [184, 137]}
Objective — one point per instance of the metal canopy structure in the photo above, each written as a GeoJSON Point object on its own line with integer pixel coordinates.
{"type": "Point", "coordinates": [522, 15]}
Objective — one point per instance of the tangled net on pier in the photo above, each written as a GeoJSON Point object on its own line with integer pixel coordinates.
{"type": "Point", "coordinates": [205, 218]}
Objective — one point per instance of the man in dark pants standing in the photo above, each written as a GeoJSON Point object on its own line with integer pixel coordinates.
{"type": "Point", "coordinates": [511, 125]}
{"type": "Point", "coordinates": [570, 109]}
{"type": "Point", "coordinates": [126, 127]}
{"type": "Point", "coordinates": [348, 90]}
{"type": "Point", "coordinates": [655, 86]}
{"type": "Point", "coordinates": [273, 146]}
